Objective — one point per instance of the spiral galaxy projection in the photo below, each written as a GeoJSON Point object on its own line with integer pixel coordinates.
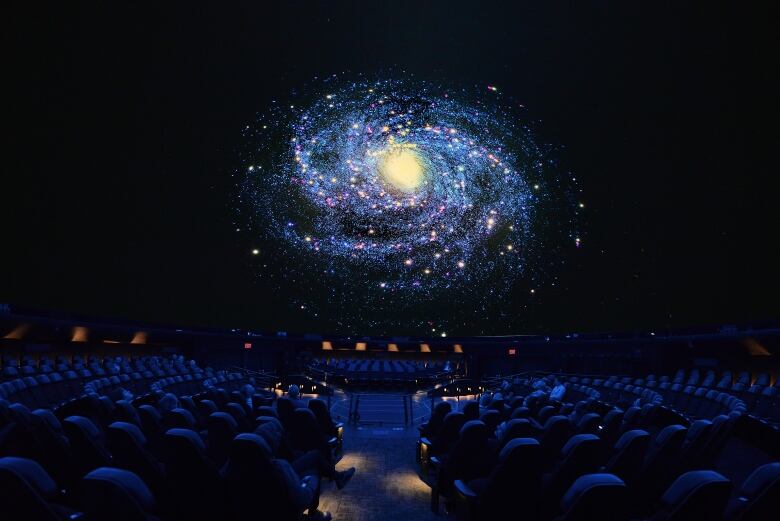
{"type": "Point", "coordinates": [400, 205]}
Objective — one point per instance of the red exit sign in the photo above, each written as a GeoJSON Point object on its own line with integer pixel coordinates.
{"type": "Point", "coordinates": [511, 351]}
{"type": "Point", "coordinates": [247, 345]}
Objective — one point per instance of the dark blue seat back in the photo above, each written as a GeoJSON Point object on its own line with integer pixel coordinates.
{"type": "Point", "coordinates": [595, 496]}
{"type": "Point", "coordinates": [116, 494]}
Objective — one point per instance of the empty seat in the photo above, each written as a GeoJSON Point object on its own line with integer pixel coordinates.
{"type": "Point", "coordinates": [610, 426]}
{"type": "Point", "coordinates": [582, 454]}
{"type": "Point", "coordinates": [628, 455]}
{"type": "Point", "coordinates": [471, 410]}
{"type": "Point", "coordinates": [512, 486]}
{"type": "Point", "coordinates": [195, 481]}
{"type": "Point", "coordinates": [151, 423]}
{"type": "Point", "coordinates": [238, 412]}
{"type": "Point", "coordinates": [86, 441]}
{"type": "Point", "coordinates": [595, 496]}
{"type": "Point", "coordinates": [53, 449]}
{"type": "Point", "coordinates": [116, 494]}
{"type": "Point", "coordinates": [284, 409]}
{"type": "Point", "coordinates": [27, 492]}
{"type": "Point", "coordinates": [515, 428]}
{"type": "Point", "coordinates": [699, 495]}
{"type": "Point", "coordinates": [129, 448]}
{"type": "Point", "coordinates": [491, 418]}
{"type": "Point", "coordinates": [589, 424]}
{"type": "Point", "coordinates": [179, 418]}
{"type": "Point", "coordinates": [222, 428]}
{"type": "Point", "coordinates": [661, 461]}
{"type": "Point", "coordinates": [545, 413]}
{"type": "Point", "coordinates": [471, 457]}
{"type": "Point", "coordinates": [759, 496]}
{"type": "Point", "coordinates": [553, 436]}
{"type": "Point", "coordinates": [124, 411]}
{"type": "Point", "coordinates": [694, 444]}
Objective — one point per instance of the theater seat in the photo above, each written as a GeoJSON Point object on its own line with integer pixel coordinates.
{"type": "Point", "coordinates": [222, 428]}
{"type": "Point", "coordinates": [151, 423]}
{"type": "Point", "coordinates": [511, 488]}
{"type": "Point", "coordinates": [238, 412]}
{"type": "Point", "coordinates": [195, 481]}
{"type": "Point", "coordinates": [582, 454]}
{"type": "Point", "coordinates": [129, 448]}
{"type": "Point", "coordinates": [444, 440]}
{"type": "Point", "coordinates": [179, 418]}
{"type": "Point", "coordinates": [595, 496]}
{"type": "Point", "coordinates": [116, 494]}
{"type": "Point", "coordinates": [471, 410]}
{"type": "Point", "coordinates": [305, 433]}
{"type": "Point", "coordinates": [628, 455]}
{"type": "Point", "coordinates": [521, 412]}
{"type": "Point", "coordinates": [693, 445]}
{"type": "Point", "coordinates": [284, 409]}
{"type": "Point", "coordinates": [759, 496]}
{"type": "Point", "coordinates": [254, 488]}
{"type": "Point", "coordinates": [125, 412]}
{"type": "Point", "coordinates": [28, 493]}
{"type": "Point", "coordinates": [699, 495]}
{"type": "Point", "coordinates": [53, 447]}
{"type": "Point", "coordinates": [491, 418]}
{"type": "Point", "coordinates": [431, 428]}
{"type": "Point", "coordinates": [266, 410]}
{"type": "Point", "coordinates": [553, 436]}
{"type": "Point", "coordinates": [610, 426]}
{"type": "Point", "coordinates": [89, 451]}
{"type": "Point", "coordinates": [329, 427]}
{"type": "Point", "coordinates": [661, 462]}
{"type": "Point", "coordinates": [589, 423]}
{"type": "Point", "coordinates": [471, 457]}
{"type": "Point", "coordinates": [515, 428]}
{"type": "Point", "coordinates": [545, 413]}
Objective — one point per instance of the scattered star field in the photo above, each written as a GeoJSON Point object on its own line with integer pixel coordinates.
{"type": "Point", "coordinates": [389, 205]}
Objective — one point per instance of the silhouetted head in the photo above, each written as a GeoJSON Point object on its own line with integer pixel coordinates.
{"type": "Point", "coordinates": [168, 402]}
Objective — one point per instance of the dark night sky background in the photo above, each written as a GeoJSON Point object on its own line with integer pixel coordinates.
{"type": "Point", "coordinates": [123, 125]}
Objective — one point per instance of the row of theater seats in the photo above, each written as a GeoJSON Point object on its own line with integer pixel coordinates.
{"type": "Point", "coordinates": [143, 460]}
{"type": "Point", "coordinates": [544, 459]}
{"type": "Point", "coordinates": [13, 367]}
{"type": "Point", "coordinates": [697, 402]}
{"type": "Point", "coordinates": [387, 366]}
{"type": "Point", "coordinates": [709, 379]}
{"type": "Point", "coordinates": [136, 376]}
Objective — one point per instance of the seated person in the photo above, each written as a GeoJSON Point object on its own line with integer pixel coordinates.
{"type": "Point", "coordinates": [294, 394]}
{"type": "Point", "coordinates": [247, 392]}
{"type": "Point", "coordinates": [167, 403]}
{"type": "Point", "coordinates": [558, 391]}
{"type": "Point", "coordinates": [304, 463]}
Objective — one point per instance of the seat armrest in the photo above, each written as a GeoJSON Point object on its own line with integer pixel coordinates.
{"type": "Point", "coordinates": [311, 481]}
{"type": "Point", "coordinates": [333, 441]}
{"type": "Point", "coordinates": [339, 425]}
{"type": "Point", "coordinates": [435, 460]}
{"type": "Point", "coordinates": [425, 441]}
{"type": "Point", "coordinates": [464, 490]}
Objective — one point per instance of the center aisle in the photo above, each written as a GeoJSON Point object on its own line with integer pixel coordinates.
{"type": "Point", "coordinates": [386, 485]}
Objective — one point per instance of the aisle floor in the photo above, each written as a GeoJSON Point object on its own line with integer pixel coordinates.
{"type": "Point", "coordinates": [386, 485]}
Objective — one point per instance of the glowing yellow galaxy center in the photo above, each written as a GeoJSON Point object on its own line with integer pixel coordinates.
{"type": "Point", "coordinates": [402, 167]}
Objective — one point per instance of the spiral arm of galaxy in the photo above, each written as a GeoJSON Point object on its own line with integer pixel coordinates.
{"type": "Point", "coordinates": [393, 201]}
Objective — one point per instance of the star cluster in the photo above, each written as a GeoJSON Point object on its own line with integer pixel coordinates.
{"type": "Point", "coordinates": [377, 200]}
